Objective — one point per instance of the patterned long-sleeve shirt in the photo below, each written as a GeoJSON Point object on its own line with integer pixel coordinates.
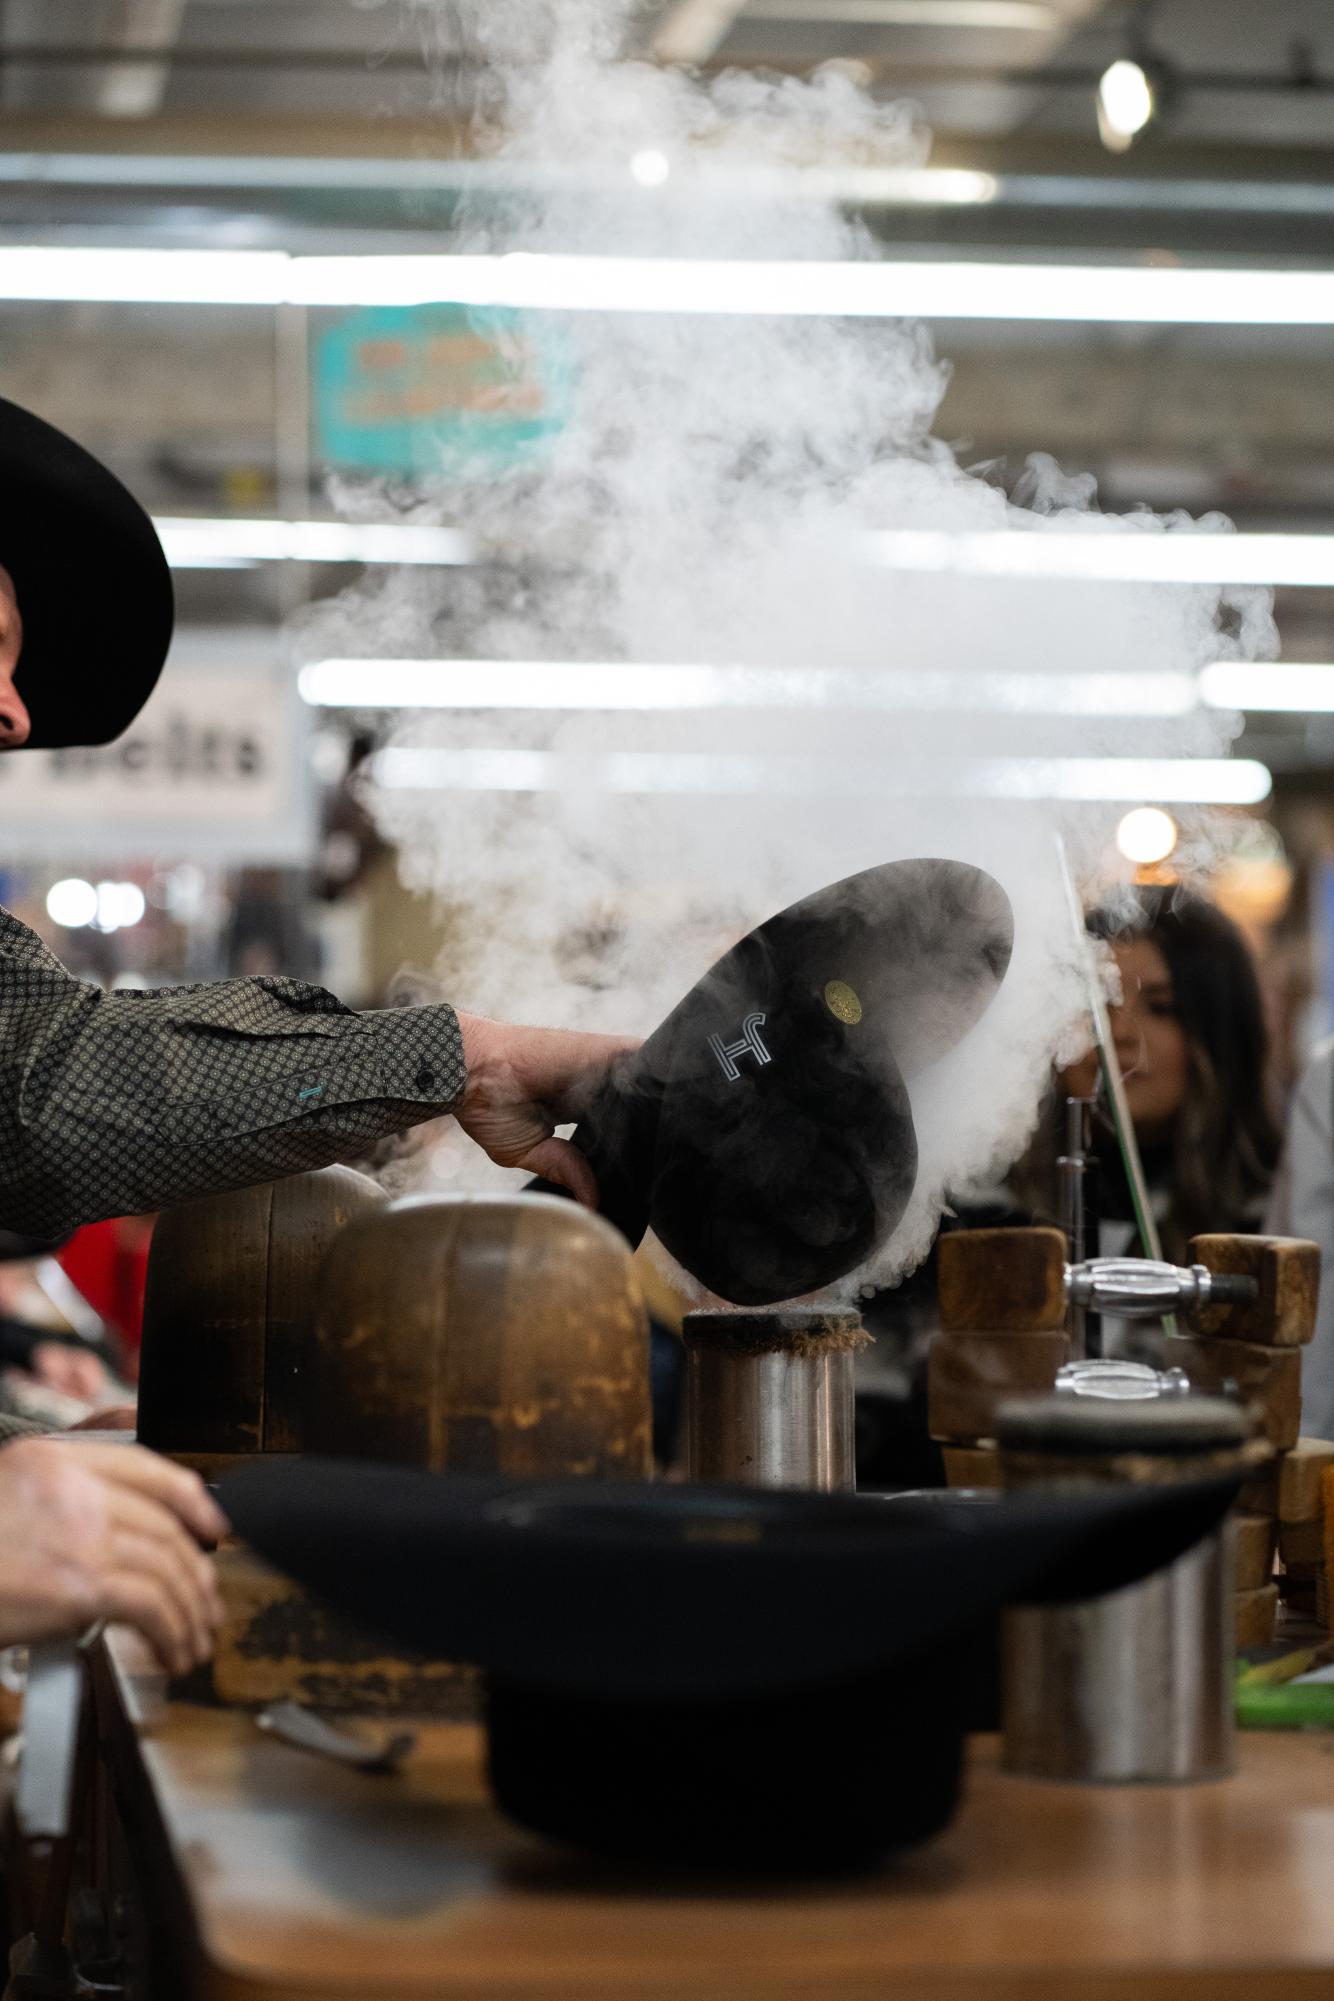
{"type": "Point", "coordinates": [116, 1103]}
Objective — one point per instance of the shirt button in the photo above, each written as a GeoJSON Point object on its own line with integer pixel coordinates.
{"type": "Point", "coordinates": [424, 1078]}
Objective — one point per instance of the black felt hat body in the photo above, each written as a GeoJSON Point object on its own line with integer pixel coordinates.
{"type": "Point", "coordinates": [764, 1129]}
{"type": "Point", "coordinates": [719, 1676]}
{"type": "Point", "coordinates": [94, 590]}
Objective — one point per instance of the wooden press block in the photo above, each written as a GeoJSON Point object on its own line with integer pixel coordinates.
{"type": "Point", "coordinates": [1287, 1270]}
{"type": "Point", "coordinates": [1253, 1541]}
{"type": "Point", "coordinates": [968, 1375]}
{"type": "Point", "coordinates": [971, 1465]}
{"type": "Point", "coordinates": [1001, 1281]}
{"type": "Point", "coordinates": [1256, 1613]}
{"type": "Point", "coordinates": [280, 1644]}
{"type": "Point", "coordinates": [1268, 1378]}
{"type": "Point", "coordinates": [1301, 1545]}
{"type": "Point", "coordinates": [1299, 1475]}
{"type": "Point", "coordinates": [1259, 1494]}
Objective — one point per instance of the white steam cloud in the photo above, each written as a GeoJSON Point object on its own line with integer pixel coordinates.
{"type": "Point", "coordinates": [707, 499]}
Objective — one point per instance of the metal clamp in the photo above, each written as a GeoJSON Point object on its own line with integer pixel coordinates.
{"type": "Point", "coordinates": [1144, 1289]}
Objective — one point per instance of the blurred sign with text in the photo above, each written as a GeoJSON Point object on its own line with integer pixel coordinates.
{"type": "Point", "coordinates": [215, 766]}
{"type": "Point", "coordinates": [464, 391]}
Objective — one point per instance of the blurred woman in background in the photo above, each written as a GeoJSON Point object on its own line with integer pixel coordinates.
{"type": "Point", "coordinates": [1190, 1039]}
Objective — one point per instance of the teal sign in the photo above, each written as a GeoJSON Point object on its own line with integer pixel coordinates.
{"type": "Point", "coordinates": [462, 390]}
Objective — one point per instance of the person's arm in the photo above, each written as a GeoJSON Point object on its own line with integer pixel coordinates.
{"type": "Point", "coordinates": [118, 1103]}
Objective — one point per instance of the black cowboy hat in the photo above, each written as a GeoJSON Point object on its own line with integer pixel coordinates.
{"type": "Point", "coordinates": [748, 1679]}
{"type": "Point", "coordinates": [94, 591]}
{"type": "Point", "coordinates": [764, 1128]}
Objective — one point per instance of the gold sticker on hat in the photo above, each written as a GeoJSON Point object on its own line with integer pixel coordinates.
{"type": "Point", "coordinates": [841, 1000]}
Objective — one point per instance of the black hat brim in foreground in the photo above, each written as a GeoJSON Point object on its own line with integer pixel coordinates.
{"type": "Point", "coordinates": [735, 1681]}
{"type": "Point", "coordinates": [764, 1129]}
{"type": "Point", "coordinates": [93, 587]}
{"type": "Point", "coordinates": [623, 1588]}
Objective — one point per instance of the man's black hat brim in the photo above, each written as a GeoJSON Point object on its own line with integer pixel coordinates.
{"type": "Point", "coordinates": [94, 590]}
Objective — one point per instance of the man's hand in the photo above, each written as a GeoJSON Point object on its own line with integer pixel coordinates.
{"type": "Point", "coordinates": [106, 1532]}
{"type": "Point", "coordinates": [75, 1372]}
{"type": "Point", "coordinates": [522, 1084]}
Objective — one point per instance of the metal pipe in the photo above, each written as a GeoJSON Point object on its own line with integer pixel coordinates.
{"type": "Point", "coordinates": [1133, 1686]}
{"type": "Point", "coordinates": [1072, 1170]}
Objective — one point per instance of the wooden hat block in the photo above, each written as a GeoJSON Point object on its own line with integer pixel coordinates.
{"type": "Point", "coordinates": [227, 1315]}
{"type": "Point", "coordinates": [502, 1334]}
{"type": "Point", "coordinates": [482, 1334]}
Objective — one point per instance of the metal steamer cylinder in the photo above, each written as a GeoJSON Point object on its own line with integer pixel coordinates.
{"type": "Point", "coordinates": [769, 1396]}
{"type": "Point", "coordinates": [1134, 1686]}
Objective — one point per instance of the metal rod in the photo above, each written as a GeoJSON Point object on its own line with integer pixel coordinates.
{"type": "Point", "coordinates": [1072, 1168]}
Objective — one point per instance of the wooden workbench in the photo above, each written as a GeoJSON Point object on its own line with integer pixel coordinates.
{"type": "Point", "coordinates": [282, 1875]}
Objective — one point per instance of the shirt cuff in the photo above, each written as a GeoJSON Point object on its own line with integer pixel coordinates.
{"type": "Point", "coordinates": [419, 1054]}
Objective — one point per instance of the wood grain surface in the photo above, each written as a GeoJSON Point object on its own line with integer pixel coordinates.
{"type": "Point", "coordinates": [310, 1882]}
{"type": "Point", "coordinates": [970, 1375]}
{"type": "Point", "coordinates": [496, 1334]}
{"type": "Point", "coordinates": [1003, 1280]}
{"type": "Point", "coordinates": [1270, 1379]}
{"type": "Point", "coordinates": [227, 1311]}
{"type": "Point", "coordinates": [1287, 1270]}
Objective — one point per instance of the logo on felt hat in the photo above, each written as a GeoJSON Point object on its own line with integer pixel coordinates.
{"type": "Point", "coordinates": [749, 1043]}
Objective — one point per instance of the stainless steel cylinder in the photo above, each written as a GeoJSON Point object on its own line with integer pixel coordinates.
{"type": "Point", "coordinates": [769, 1397]}
{"type": "Point", "coordinates": [1133, 1686]}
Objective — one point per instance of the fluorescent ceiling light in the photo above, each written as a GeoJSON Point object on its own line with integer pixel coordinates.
{"type": "Point", "coordinates": [1275, 685]}
{"type": "Point", "coordinates": [1094, 555]}
{"type": "Point", "coordinates": [1111, 555]}
{"type": "Point", "coordinates": [949, 289]}
{"type": "Point", "coordinates": [144, 277]}
{"type": "Point", "coordinates": [835, 181]}
{"type": "Point", "coordinates": [655, 685]}
{"type": "Point", "coordinates": [205, 542]}
{"type": "Point", "coordinates": [1200, 781]}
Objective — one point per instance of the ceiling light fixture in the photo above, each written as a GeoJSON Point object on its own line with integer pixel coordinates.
{"type": "Point", "coordinates": [195, 542]}
{"type": "Point", "coordinates": [1106, 554]}
{"type": "Point", "coordinates": [1147, 835]}
{"type": "Point", "coordinates": [1126, 102]}
{"type": "Point", "coordinates": [1103, 554]}
{"type": "Point", "coordinates": [622, 685]}
{"type": "Point", "coordinates": [1135, 294]}
{"type": "Point", "coordinates": [650, 167]}
{"type": "Point", "coordinates": [1197, 781]}
{"type": "Point", "coordinates": [1278, 687]}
